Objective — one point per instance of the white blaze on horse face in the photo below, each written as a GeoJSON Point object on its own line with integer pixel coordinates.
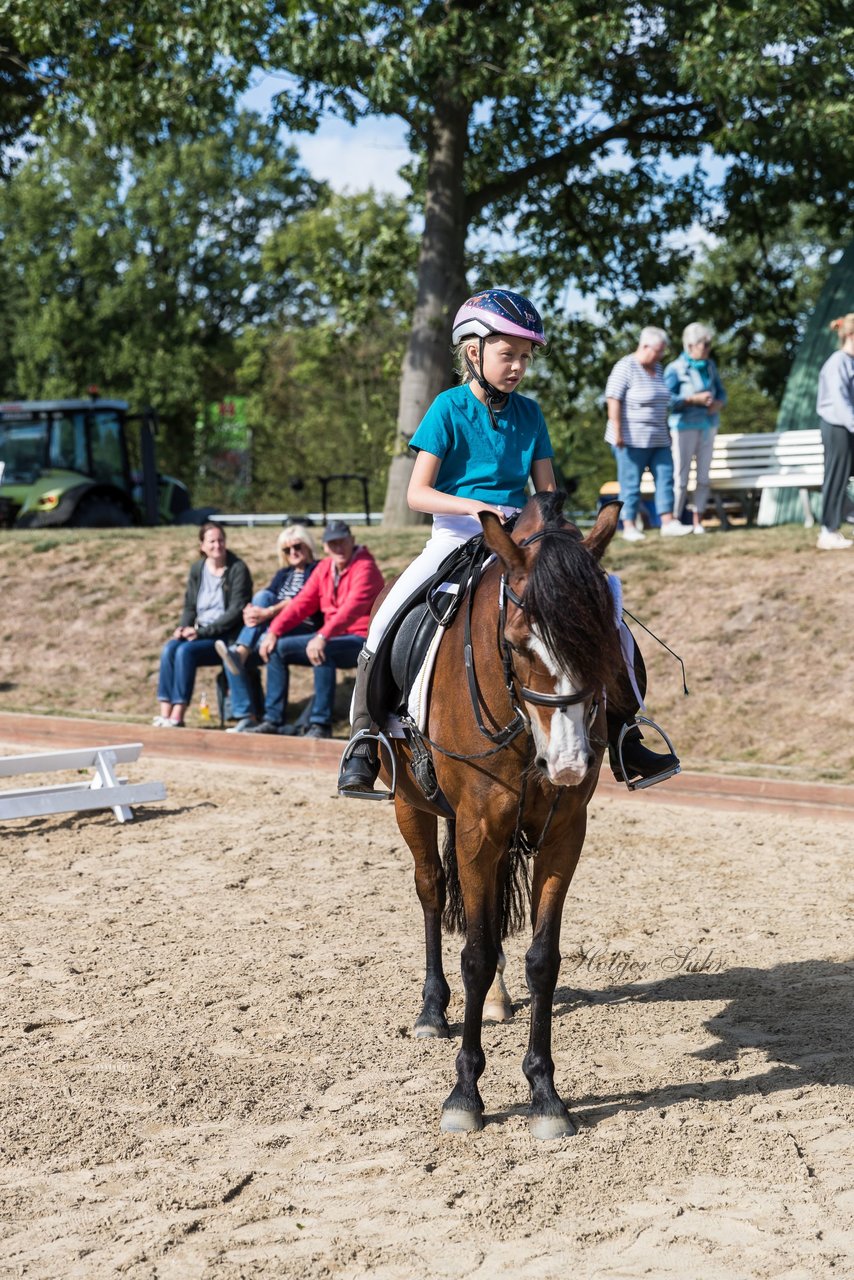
{"type": "Point", "coordinates": [560, 735]}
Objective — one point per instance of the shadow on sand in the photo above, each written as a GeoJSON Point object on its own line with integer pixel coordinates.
{"type": "Point", "coordinates": [798, 1014]}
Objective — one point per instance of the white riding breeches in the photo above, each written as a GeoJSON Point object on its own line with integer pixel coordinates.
{"type": "Point", "coordinates": [448, 532]}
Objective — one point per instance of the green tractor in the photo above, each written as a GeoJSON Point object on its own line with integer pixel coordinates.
{"type": "Point", "coordinates": [67, 462]}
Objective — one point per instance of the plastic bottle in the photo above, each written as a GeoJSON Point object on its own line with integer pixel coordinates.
{"type": "Point", "coordinates": [204, 711]}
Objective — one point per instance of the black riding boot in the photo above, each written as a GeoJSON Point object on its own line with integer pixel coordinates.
{"type": "Point", "coordinates": [642, 767]}
{"type": "Point", "coordinates": [359, 772]}
{"type": "Point", "coordinates": [639, 763]}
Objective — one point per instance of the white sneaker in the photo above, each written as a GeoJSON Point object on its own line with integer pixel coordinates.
{"type": "Point", "coordinates": [632, 534]}
{"type": "Point", "coordinates": [675, 529]}
{"type": "Point", "coordinates": [230, 657]}
{"type": "Point", "coordinates": [833, 540]}
{"type": "Point", "coordinates": [698, 528]}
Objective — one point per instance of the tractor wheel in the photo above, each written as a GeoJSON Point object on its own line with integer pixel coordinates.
{"type": "Point", "coordinates": [99, 513]}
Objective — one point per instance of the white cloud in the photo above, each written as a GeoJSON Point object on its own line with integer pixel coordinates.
{"type": "Point", "coordinates": [349, 157]}
{"type": "Point", "coordinates": [354, 158]}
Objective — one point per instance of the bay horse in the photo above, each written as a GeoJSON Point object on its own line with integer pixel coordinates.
{"type": "Point", "coordinates": [542, 644]}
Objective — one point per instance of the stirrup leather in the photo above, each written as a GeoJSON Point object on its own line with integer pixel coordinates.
{"type": "Point", "coordinates": [365, 735]}
{"type": "Point", "coordinates": [639, 784]}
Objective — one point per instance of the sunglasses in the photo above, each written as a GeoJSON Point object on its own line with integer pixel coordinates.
{"type": "Point", "coordinates": [295, 546]}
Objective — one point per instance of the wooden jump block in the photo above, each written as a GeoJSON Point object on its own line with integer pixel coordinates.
{"type": "Point", "coordinates": [103, 790]}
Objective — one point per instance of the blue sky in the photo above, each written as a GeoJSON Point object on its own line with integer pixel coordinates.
{"type": "Point", "coordinates": [348, 158]}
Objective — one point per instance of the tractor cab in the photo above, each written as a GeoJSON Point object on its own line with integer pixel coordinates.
{"type": "Point", "coordinates": [66, 462]}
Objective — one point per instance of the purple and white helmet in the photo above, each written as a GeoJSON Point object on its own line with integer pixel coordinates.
{"type": "Point", "coordinates": [498, 311]}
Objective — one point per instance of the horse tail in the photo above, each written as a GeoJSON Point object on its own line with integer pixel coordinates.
{"type": "Point", "coordinates": [515, 893]}
{"type": "Point", "coordinates": [516, 898]}
{"type": "Point", "coordinates": [454, 915]}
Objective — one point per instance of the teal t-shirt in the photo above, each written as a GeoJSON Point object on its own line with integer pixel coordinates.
{"type": "Point", "coordinates": [478, 461]}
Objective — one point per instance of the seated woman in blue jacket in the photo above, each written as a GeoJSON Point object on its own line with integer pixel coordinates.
{"type": "Point", "coordinates": [696, 398]}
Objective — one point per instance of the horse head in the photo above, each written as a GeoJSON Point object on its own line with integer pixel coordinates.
{"type": "Point", "coordinates": [561, 630]}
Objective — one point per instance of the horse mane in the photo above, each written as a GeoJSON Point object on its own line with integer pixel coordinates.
{"type": "Point", "coordinates": [569, 602]}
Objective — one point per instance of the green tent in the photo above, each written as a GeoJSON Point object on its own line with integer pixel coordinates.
{"type": "Point", "coordinates": [797, 410]}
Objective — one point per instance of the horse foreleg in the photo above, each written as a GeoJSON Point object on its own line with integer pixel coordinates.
{"type": "Point", "coordinates": [462, 1111]}
{"type": "Point", "coordinates": [419, 830]}
{"type": "Point", "coordinates": [498, 1006]}
{"type": "Point", "coordinates": [548, 1117]}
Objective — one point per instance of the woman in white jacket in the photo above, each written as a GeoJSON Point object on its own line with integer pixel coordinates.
{"type": "Point", "coordinates": [835, 407]}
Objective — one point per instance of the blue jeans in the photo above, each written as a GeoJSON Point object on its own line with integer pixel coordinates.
{"type": "Point", "coordinates": [631, 464]}
{"type": "Point", "coordinates": [249, 636]}
{"type": "Point", "coordinates": [341, 652]}
{"type": "Point", "coordinates": [242, 703]}
{"type": "Point", "coordinates": [178, 662]}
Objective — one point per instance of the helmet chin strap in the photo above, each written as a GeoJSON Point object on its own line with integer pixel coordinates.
{"type": "Point", "coordinates": [495, 399]}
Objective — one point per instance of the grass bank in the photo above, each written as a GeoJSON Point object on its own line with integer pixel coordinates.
{"type": "Point", "coordinates": [763, 621]}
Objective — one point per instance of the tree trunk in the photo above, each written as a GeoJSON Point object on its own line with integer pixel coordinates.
{"type": "Point", "coordinates": [427, 366]}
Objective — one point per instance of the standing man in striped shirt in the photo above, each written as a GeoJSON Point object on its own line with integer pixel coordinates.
{"type": "Point", "coordinates": [638, 401]}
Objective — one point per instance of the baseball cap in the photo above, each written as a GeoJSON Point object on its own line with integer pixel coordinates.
{"type": "Point", "coordinates": [336, 529]}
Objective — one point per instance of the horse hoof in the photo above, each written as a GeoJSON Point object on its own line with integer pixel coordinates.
{"type": "Point", "coordinates": [547, 1128]}
{"type": "Point", "coordinates": [430, 1031]}
{"type": "Point", "coordinates": [461, 1121]}
{"type": "Point", "coordinates": [498, 1011]}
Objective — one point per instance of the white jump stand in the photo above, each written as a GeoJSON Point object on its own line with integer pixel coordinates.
{"type": "Point", "coordinates": [103, 790]}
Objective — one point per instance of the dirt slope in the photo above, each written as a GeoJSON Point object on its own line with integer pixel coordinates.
{"type": "Point", "coordinates": [763, 621]}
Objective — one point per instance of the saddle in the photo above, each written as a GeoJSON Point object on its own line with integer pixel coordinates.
{"type": "Point", "coordinates": [401, 653]}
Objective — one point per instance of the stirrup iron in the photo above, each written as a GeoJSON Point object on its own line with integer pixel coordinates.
{"type": "Point", "coordinates": [641, 783]}
{"type": "Point", "coordinates": [365, 735]}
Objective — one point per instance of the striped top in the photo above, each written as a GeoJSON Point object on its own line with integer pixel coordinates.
{"type": "Point", "coordinates": [644, 400]}
{"type": "Point", "coordinates": [288, 582]}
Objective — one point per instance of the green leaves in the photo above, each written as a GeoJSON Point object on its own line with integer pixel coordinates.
{"type": "Point", "coordinates": [137, 270]}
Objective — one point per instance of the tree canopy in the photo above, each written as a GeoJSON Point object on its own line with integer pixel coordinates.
{"type": "Point", "coordinates": [587, 135]}
{"type": "Point", "coordinates": [137, 270]}
{"type": "Point", "coordinates": [581, 131]}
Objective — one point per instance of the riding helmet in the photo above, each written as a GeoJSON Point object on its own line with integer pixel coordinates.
{"type": "Point", "coordinates": [498, 311]}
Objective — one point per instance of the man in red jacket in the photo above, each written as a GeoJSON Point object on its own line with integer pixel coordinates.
{"type": "Point", "coordinates": [343, 588]}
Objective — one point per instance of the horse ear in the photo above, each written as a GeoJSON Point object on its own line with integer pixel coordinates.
{"type": "Point", "coordinates": [603, 530]}
{"type": "Point", "coordinates": [498, 540]}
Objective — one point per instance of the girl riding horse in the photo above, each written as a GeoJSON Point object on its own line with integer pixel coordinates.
{"type": "Point", "coordinates": [478, 445]}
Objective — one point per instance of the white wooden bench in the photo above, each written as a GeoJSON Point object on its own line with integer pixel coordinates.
{"type": "Point", "coordinates": [745, 464]}
{"type": "Point", "coordinates": [103, 790]}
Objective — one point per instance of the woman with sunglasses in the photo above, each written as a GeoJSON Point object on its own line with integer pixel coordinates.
{"type": "Point", "coordinates": [298, 559]}
{"type": "Point", "coordinates": [696, 398]}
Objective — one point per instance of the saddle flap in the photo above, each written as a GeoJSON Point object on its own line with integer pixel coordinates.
{"type": "Point", "coordinates": [438, 598]}
{"type": "Point", "coordinates": [391, 681]}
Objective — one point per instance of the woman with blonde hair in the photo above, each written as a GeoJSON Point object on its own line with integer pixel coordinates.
{"type": "Point", "coordinates": [835, 407]}
{"type": "Point", "coordinates": [696, 398]}
{"type": "Point", "coordinates": [298, 559]}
